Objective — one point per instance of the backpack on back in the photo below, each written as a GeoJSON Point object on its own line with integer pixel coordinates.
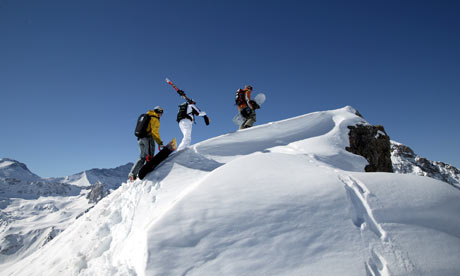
{"type": "Point", "coordinates": [239, 97]}
{"type": "Point", "coordinates": [142, 125]}
{"type": "Point", "coordinates": [182, 113]}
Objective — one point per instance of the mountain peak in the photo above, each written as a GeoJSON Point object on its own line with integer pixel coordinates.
{"type": "Point", "coordinates": [12, 169]}
{"type": "Point", "coordinates": [6, 162]}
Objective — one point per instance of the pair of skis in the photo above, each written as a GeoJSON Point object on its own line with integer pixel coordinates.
{"type": "Point", "coordinates": [182, 94]}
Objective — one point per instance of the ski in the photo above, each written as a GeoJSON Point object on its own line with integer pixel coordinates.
{"type": "Point", "coordinates": [180, 92]}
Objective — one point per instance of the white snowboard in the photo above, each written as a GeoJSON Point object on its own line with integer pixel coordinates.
{"type": "Point", "coordinates": [259, 99]}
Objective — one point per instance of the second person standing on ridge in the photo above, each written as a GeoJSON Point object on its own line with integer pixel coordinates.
{"type": "Point", "coordinates": [185, 118]}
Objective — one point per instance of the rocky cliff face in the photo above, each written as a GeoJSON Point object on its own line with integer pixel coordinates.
{"type": "Point", "coordinates": [384, 155]}
{"type": "Point", "coordinates": [406, 161]}
{"type": "Point", "coordinates": [373, 143]}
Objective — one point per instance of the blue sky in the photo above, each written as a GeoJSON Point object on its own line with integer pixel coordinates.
{"type": "Point", "coordinates": [75, 75]}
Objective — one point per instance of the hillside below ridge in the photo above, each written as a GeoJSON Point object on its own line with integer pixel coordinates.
{"type": "Point", "coordinates": [280, 194]}
{"type": "Point", "coordinates": [184, 171]}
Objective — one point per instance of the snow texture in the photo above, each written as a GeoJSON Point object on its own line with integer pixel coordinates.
{"type": "Point", "coordinates": [34, 210]}
{"type": "Point", "coordinates": [284, 198]}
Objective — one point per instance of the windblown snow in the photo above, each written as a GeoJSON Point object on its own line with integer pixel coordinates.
{"type": "Point", "coordinates": [284, 198]}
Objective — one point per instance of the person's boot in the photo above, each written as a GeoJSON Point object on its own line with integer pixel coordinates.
{"type": "Point", "coordinates": [132, 178]}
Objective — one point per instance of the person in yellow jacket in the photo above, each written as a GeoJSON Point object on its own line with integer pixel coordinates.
{"type": "Point", "coordinates": [147, 144]}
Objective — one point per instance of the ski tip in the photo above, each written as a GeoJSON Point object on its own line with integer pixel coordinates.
{"type": "Point", "coordinates": [167, 80]}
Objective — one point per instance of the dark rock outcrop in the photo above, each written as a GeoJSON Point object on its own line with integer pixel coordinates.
{"type": "Point", "coordinates": [373, 143]}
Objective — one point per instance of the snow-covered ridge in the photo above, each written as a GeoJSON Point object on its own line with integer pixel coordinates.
{"type": "Point", "coordinates": [284, 198]}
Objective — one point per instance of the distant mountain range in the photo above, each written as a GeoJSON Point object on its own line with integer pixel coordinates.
{"type": "Point", "coordinates": [33, 210]}
{"type": "Point", "coordinates": [405, 161]}
{"type": "Point", "coordinates": [17, 181]}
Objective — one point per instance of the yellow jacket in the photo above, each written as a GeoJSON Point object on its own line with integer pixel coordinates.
{"type": "Point", "coordinates": [153, 128]}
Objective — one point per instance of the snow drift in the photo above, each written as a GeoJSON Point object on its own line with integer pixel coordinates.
{"type": "Point", "coordinates": [284, 198]}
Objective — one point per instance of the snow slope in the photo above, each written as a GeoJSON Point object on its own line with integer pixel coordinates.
{"type": "Point", "coordinates": [283, 198]}
{"type": "Point", "coordinates": [34, 210]}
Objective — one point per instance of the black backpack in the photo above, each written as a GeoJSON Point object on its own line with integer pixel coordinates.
{"type": "Point", "coordinates": [182, 113]}
{"type": "Point", "coordinates": [239, 97]}
{"type": "Point", "coordinates": [141, 126]}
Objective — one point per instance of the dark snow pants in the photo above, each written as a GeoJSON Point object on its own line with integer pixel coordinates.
{"type": "Point", "coordinates": [249, 116]}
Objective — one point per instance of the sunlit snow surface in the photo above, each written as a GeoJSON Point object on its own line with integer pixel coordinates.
{"type": "Point", "coordinates": [283, 198]}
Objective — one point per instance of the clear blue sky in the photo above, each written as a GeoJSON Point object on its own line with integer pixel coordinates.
{"type": "Point", "coordinates": [74, 75]}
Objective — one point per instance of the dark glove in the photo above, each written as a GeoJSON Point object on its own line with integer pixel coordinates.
{"type": "Point", "coordinates": [180, 92]}
{"type": "Point", "coordinates": [206, 120]}
{"type": "Point", "coordinates": [255, 105]}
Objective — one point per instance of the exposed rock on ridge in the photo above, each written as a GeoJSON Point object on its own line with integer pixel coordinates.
{"type": "Point", "coordinates": [373, 143]}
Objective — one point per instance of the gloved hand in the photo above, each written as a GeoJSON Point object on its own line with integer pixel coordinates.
{"type": "Point", "coordinates": [181, 92]}
{"type": "Point", "coordinates": [255, 105]}
{"type": "Point", "coordinates": [206, 120]}
{"type": "Point", "coordinates": [148, 158]}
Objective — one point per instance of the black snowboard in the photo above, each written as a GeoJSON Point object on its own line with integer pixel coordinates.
{"type": "Point", "coordinates": [156, 160]}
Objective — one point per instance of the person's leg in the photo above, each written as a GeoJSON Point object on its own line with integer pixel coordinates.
{"type": "Point", "coordinates": [250, 120]}
{"type": "Point", "coordinates": [185, 126]}
{"type": "Point", "coordinates": [143, 148]}
{"type": "Point", "coordinates": [151, 146]}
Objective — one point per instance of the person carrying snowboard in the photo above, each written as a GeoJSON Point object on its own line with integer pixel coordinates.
{"type": "Point", "coordinates": [147, 136]}
{"type": "Point", "coordinates": [185, 118]}
{"type": "Point", "coordinates": [246, 106]}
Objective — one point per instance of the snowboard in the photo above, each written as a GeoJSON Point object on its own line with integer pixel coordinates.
{"type": "Point", "coordinates": [239, 119]}
{"type": "Point", "coordinates": [157, 159]}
